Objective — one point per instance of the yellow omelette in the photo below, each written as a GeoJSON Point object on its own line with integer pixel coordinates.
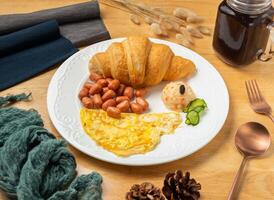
{"type": "Point", "coordinates": [132, 133]}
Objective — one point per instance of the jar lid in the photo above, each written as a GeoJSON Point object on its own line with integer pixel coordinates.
{"type": "Point", "coordinates": [250, 6]}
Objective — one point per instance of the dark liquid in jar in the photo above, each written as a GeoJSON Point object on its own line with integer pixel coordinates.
{"type": "Point", "coordinates": [239, 37]}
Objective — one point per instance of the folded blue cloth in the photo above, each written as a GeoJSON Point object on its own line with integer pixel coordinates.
{"type": "Point", "coordinates": [30, 51]}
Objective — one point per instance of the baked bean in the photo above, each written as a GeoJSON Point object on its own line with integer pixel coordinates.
{"type": "Point", "coordinates": [140, 92]}
{"type": "Point", "coordinates": [95, 89]}
{"type": "Point", "coordinates": [87, 102]}
{"type": "Point", "coordinates": [128, 92]}
{"type": "Point", "coordinates": [114, 84]}
{"type": "Point", "coordinates": [121, 99]}
{"type": "Point", "coordinates": [105, 89]}
{"type": "Point", "coordinates": [102, 82]}
{"type": "Point", "coordinates": [123, 106]}
{"type": "Point", "coordinates": [88, 85]}
{"type": "Point", "coordinates": [136, 108]}
{"type": "Point", "coordinates": [95, 77]}
{"type": "Point", "coordinates": [108, 95]}
{"type": "Point", "coordinates": [121, 89]}
{"type": "Point", "coordinates": [114, 112]}
{"type": "Point", "coordinates": [97, 100]}
{"type": "Point", "coordinates": [108, 103]}
{"type": "Point", "coordinates": [141, 101]}
{"type": "Point", "coordinates": [83, 93]}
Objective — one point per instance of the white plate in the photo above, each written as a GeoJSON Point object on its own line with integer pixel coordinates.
{"type": "Point", "coordinates": [64, 106]}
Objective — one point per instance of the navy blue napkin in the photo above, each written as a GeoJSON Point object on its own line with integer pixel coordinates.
{"type": "Point", "coordinates": [30, 51]}
{"type": "Point", "coordinates": [80, 23]}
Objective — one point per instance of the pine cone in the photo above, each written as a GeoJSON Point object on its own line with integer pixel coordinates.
{"type": "Point", "coordinates": [180, 187]}
{"type": "Point", "coordinates": [145, 191]}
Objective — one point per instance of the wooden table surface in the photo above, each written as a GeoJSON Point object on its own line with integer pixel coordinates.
{"type": "Point", "coordinates": [215, 165]}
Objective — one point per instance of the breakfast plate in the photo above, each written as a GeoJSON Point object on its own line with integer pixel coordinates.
{"type": "Point", "coordinates": [64, 108]}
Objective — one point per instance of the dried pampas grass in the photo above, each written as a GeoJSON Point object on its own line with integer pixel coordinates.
{"type": "Point", "coordinates": [184, 22]}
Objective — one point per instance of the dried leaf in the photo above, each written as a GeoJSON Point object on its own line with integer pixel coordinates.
{"type": "Point", "coordinates": [182, 40]}
{"type": "Point", "coordinates": [204, 30]}
{"type": "Point", "coordinates": [194, 31]}
{"type": "Point", "coordinates": [195, 19]}
{"type": "Point", "coordinates": [135, 19]}
{"type": "Point", "coordinates": [183, 13]}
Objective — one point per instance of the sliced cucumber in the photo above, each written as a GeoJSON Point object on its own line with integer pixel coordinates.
{"type": "Point", "coordinates": [196, 103]}
{"type": "Point", "coordinates": [186, 109]}
{"type": "Point", "coordinates": [193, 117]}
{"type": "Point", "coordinates": [194, 110]}
{"type": "Point", "coordinates": [199, 109]}
{"type": "Point", "coordinates": [187, 122]}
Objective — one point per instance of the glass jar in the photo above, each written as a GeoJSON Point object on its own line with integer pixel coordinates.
{"type": "Point", "coordinates": [242, 31]}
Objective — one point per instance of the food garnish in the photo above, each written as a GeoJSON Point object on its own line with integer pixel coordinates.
{"type": "Point", "coordinates": [130, 133]}
{"type": "Point", "coordinates": [194, 111]}
{"type": "Point", "coordinates": [195, 104]}
{"type": "Point", "coordinates": [192, 118]}
{"type": "Point", "coordinates": [182, 89]}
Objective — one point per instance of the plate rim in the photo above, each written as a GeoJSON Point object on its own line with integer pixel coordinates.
{"type": "Point", "coordinates": [171, 159]}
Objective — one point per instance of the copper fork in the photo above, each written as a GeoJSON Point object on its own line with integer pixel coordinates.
{"type": "Point", "coordinates": [256, 99]}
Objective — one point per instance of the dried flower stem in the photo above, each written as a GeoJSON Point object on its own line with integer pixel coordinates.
{"type": "Point", "coordinates": [146, 11]}
{"type": "Point", "coordinates": [161, 22]}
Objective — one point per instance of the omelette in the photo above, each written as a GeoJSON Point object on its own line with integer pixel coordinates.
{"type": "Point", "coordinates": [132, 133]}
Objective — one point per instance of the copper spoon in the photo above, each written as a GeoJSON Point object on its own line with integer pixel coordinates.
{"type": "Point", "coordinates": [252, 139]}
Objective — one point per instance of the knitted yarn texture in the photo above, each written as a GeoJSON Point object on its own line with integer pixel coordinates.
{"type": "Point", "coordinates": [36, 166]}
{"type": "Point", "coordinates": [10, 99]}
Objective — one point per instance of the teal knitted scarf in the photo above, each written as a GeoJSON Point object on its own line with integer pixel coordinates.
{"type": "Point", "coordinates": [34, 165]}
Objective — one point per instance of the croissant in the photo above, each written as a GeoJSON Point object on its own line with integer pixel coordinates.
{"type": "Point", "coordinates": [139, 62]}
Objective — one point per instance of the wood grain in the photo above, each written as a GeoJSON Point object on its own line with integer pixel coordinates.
{"type": "Point", "coordinates": [215, 165]}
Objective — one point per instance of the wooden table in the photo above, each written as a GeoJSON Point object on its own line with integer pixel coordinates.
{"type": "Point", "coordinates": [215, 165]}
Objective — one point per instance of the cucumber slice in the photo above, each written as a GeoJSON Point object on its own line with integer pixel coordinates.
{"type": "Point", "coordinates": [187, 122]}
{"type": "Point", "coordinates": [185, 109]}
{"type": "Point", "coordinates": [194, 109]}
{"type": "Point", "coordinates": [199, 109]}
{"type": "Point", "coordinates": [196, 103]}
{"type": "Point", "coordinates": [193, 117]}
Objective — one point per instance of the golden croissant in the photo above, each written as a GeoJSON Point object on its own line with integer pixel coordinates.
{"type": "Point", "coordinates": [139, 62]}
